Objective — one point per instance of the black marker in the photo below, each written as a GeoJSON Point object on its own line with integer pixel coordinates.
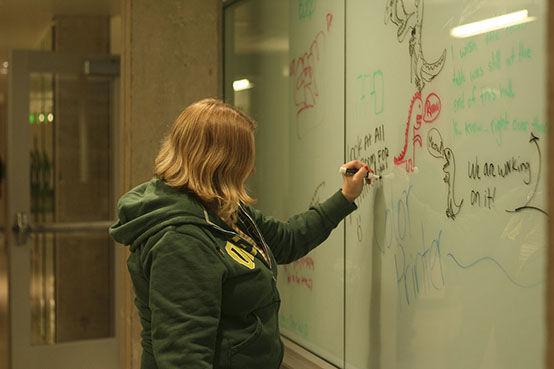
{"type": "Point", "coordinates": [352, 171]}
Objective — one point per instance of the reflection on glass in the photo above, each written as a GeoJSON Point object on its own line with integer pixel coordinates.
{"type": "Point", "coordinates": [71, 274]}
{"type": "Point", "coordinates": [256, 81]}
{"type": "Point", "coordinates": [43, 303]}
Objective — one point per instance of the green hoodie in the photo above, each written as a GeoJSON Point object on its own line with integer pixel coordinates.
{"type": "Point", "coordinates": [206, 298]}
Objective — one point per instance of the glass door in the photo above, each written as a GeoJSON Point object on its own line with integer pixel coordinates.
{"type": "Point", "coordinates": [60, 188]}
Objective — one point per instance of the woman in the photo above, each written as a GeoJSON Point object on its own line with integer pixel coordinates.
{"type": "Point", "coordinates": [203, 261]}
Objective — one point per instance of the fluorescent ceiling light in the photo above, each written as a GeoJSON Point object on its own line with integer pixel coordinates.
{"type": "Point", "coordinates": [491, 24]}
{"type": "Point", "coordinates": [242, 84]}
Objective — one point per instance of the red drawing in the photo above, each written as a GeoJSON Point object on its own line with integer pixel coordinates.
{"type": "Point", "coordinates": [299, 272]}
{"type": "Point", "coordinates": [303, 69]}
{"type": "Point", "coordinates": [329, 21]}
{"type": "Point", "coordinates": [432, 107]}
{"type": "Point", "coordinates": [300, 280]}
{"type": "Point", "coordinates": [304, 263]}
{"type": "Point", "coordinates": [417, 114]}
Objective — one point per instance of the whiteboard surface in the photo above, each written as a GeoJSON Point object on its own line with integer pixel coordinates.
{"type": "Point", "coordinates": [441, 271]}
{"type": "Point", "coordinates": [312, 289]}
{"type": "Point", "coordinates": [443, 263]}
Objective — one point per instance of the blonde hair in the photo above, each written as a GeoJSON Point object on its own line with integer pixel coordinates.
{"type": "Point", "coordinates": [210, 151]}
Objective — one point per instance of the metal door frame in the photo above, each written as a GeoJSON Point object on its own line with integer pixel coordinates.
{"type": "Point", "coordinates": [23, 355]}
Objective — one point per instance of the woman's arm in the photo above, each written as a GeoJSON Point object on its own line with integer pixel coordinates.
{"type": "Point", "coordinates": [293, 239]}
{"type": "Point", "coordinates": [186, 279]}
{"type": "Point", "coordinates": [301, 233]}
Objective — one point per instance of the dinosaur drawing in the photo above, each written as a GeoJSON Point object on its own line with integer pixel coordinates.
{"type": "Point", "coordinates": [411, 22]}
{"type": "Point", "coordinates": [449, 169]}
{"type": "Point", "coordinates": [411, 134]}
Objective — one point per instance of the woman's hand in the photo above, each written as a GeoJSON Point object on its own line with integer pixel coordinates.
{"type": "Point", "coordinates": [352, 186]}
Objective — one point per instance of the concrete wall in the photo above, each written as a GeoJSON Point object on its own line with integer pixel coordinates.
{"type": "Point", "coordinates": [170, 58]}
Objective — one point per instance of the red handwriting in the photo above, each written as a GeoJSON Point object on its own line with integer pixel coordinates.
{"type": "Point", "coordinates": [304, 263]}
{"type": "Point", "coordinates": [303, 69]}
{"type": "Point", "coordinates": [299, 271]}
{"type": "Point", "coordinates": [300, 280]}
{"type": "Point", "coordinates": [432, 107]}
{"type": "Point", "coordinates": [417, 114]}
{"type": "Point", "coordinates": [329, 21]}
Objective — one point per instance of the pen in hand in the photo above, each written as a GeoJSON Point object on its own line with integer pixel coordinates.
{"type": "Point", "coordinates": [352, 171]}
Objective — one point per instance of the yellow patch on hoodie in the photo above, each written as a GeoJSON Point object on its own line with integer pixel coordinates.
{"type": "Point", "coordinates": [240, 256]}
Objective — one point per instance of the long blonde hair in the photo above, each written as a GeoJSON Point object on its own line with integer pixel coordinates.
{"type": "Point", "coordinates": [210, 151]}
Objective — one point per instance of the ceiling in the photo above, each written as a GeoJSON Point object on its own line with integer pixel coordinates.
{"type": "Point", "coordinates": [23, 22]}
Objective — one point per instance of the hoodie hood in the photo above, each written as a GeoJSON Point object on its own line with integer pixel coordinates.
{"type": "Point", "coordinates": [152, 206]}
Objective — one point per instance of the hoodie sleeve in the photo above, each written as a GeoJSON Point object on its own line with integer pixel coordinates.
{"type": "Point", "coordinates": [186, 279]}
{"type": "Point", "coordinates": [301, 233]}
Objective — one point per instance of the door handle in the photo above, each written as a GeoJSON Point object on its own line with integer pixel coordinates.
{"type": "Point", "coordinates": [22, 229]}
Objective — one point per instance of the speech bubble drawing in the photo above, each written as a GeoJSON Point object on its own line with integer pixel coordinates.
{"type": "Point", "coordinates": [432, 107]}
{"type": "Point", "coordinates": [435, 146]}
